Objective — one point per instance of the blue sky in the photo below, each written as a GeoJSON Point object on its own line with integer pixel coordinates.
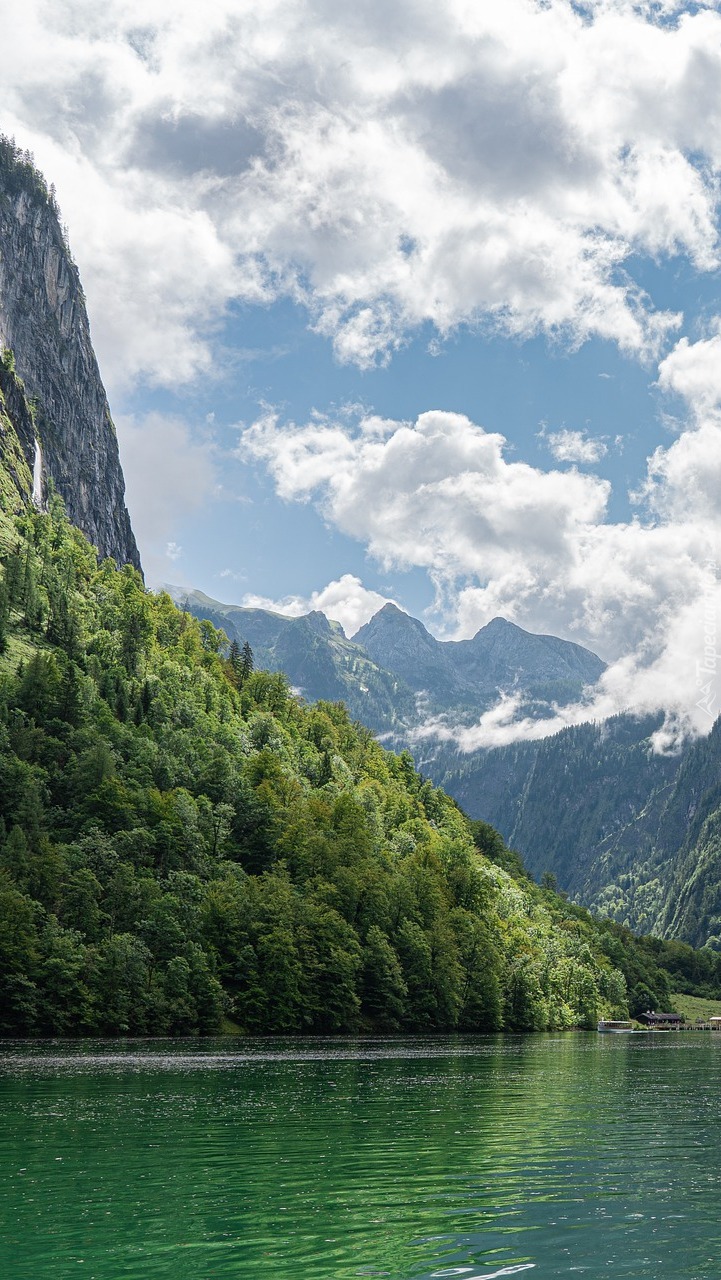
{"type": "Point", "coordinates": [515, 387]}
{"type": "Point", "coordinates": [414, 301]}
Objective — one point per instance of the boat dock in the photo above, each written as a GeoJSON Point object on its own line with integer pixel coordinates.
{"type": "Point", "coordinates": [656, 1022]}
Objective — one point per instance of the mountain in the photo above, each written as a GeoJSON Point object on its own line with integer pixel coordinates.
{"type": "Point", "coordinates": [403, 645]}
{"type": "Point", "coordinates": [544, 667]}
{"type": "Point", "coordinates": [181, 845]}
{"type": "Point", "coordinates": [44, 325]}
{"type": "Point", "coordinates": [470, 674]}
{"type": "Point", "coordinates": [630, 833]}
{"type": "Point", "coordinates": [393, 674]}
{"type": "Point", "coordinates": [316, 656]}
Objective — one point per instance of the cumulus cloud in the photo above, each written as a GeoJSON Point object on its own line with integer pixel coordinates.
{"type": "Point", "coordinates": [505, 164]}
{"type": "Point", "coordinates": [574, 446]}
{"type": "Point", "coordinates": [437, 493]}
{"type": "Point", "coordinates": [502, 537]}
{"type": "Point", "coordinates": [345, 600]}
{"type": "Point", "coordinates": [676, 670]}
{"type": "Point", "coordinates": [683, 482]}
{"type": "Point", "coordinates": [693, 370]}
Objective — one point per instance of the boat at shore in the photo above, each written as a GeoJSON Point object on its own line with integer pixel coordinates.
{"type": "Point", "coordinates": [617, 1025]}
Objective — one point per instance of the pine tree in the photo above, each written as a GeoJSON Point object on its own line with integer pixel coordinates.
{"type": "Point", "coordinates": [234, 659]}
{"type": "Point", "coordinates": [246, 663]}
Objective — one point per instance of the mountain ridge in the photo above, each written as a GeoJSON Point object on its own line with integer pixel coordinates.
{"type": "Point", "coordinates": [501, 656]}
{"type": "Point", "coordinates": [420, 675]}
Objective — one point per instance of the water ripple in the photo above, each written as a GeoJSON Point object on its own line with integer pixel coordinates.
{"type": "Point", "coordinates": [417, 1160]}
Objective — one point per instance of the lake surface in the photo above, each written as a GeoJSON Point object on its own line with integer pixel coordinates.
{"type": "Point", "coordinates": [571, 1155]}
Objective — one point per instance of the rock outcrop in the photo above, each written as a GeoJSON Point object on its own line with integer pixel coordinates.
{"type": "Point", "coordinates": [44, 322]}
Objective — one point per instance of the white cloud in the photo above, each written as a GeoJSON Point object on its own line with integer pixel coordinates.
{"type": "Point", "coordinates": [235, 575]}
{"type": "Point", "coordinates": [501, 537]}
{"type": "Point", "coordinates": [574, 446]}
{"type": "Point", "coordinates": [684, 480]}
{"type": "Point", "coordinates": [173, 551]}
{"type": "Point", "coordinates": [345, 600]}
{"type": "Point", "coordinates": [436, 493]}
{"type": "Point", "coordinates": [504, 163]}
{"type": "Point", "coordinates": [693, 370]}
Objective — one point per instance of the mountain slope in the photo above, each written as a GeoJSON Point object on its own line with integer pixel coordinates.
{"type": "Point", "coordinates": [316, 656]}
{"type": "Point", "coordinates": [44, 323]}
{"type": "Point", "coordinates": [176, 846]}
{"type": "Point", "coordinates": [631, 834]}
{"type": "Point", "coordinates": [544, 667]}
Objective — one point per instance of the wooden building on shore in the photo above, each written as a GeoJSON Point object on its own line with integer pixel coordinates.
{"type": "Point", "coordinates": [661, 1021]}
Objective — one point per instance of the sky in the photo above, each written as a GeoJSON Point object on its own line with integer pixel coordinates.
{"type": "Point", "coordinates": [408, 301]}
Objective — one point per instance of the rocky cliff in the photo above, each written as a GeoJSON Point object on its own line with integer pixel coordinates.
{"type": "Point", "coordinates": [43, 321]}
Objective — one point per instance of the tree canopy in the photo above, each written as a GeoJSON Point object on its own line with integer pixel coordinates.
{"type": "Point", "coordinates": [183, 843]}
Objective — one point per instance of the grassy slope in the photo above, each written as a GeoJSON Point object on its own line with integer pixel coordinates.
{"type": "Point", "coordinates": [693, 1007]}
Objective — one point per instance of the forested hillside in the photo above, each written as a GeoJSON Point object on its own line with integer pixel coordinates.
{"type": "Point", "coordinates": [183, 842]}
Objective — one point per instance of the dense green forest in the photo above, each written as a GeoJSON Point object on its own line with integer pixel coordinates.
{"type": "Point", "coordinates": [183, 844]}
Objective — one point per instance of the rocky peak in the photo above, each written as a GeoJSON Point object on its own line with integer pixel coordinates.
{"type": "Point", "coordinates": [542, 654]}
{"type": "Point", "coordinates": [318, 622]}
{"type": "Point", "coordinates": [390, 620]}
{"type": "Point", "coordinates": [43, 321]}
{"type": "Point", "coordinates": [402, 645]}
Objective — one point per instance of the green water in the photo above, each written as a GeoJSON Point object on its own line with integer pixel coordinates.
{"type": "Point", "coordinates": [560, 1155]}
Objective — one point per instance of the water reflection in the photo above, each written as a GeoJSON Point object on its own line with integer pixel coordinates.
{"type": "Point", "coordinates": [413, 1159]}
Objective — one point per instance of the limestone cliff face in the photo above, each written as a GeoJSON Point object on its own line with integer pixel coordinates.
{"type": "Point", "coordinates": [44, 322]}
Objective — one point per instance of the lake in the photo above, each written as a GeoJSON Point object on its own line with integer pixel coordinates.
{"type": "Point", "coordinates": [567, 1155]}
